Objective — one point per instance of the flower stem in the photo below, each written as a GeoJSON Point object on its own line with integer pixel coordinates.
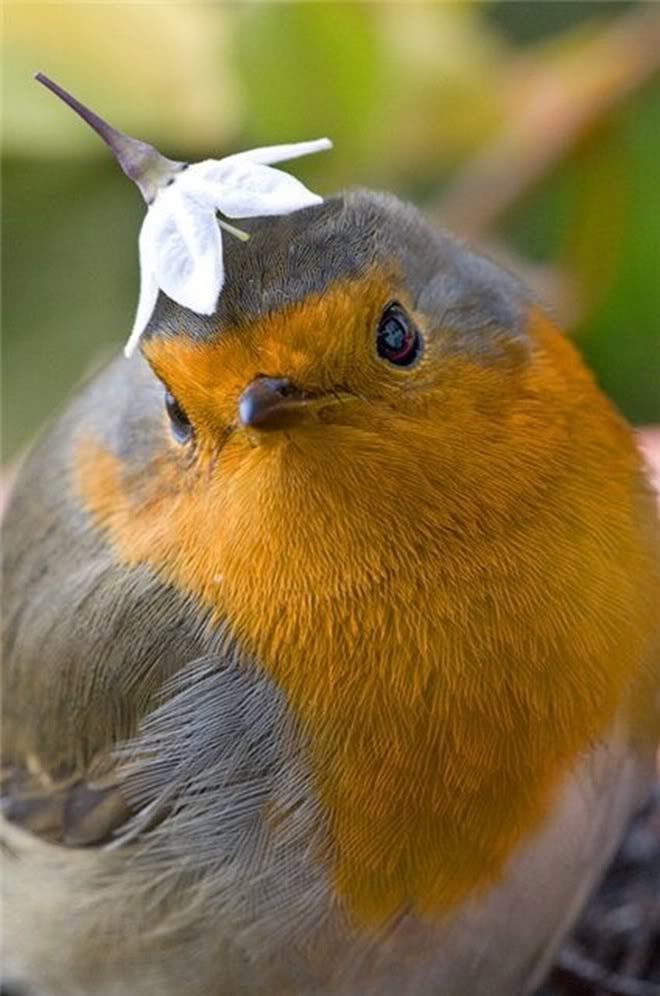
{"type": "Point", "coordinates": [101, 127]}
{"type": "Point", "coordinates": [140, 161]}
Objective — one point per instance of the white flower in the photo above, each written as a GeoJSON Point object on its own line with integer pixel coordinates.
{"type": "Point", "coordinates": [181, 237]}
{"type": "Point", "coordinates": [181, 240]}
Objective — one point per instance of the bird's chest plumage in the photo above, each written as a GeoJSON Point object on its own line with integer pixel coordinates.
{"type": "Point", "coordinates": [442, 698]}
{"type": "Point", "coordinates": [429, 770]}
{"type": "Point", "coordinates": [499, 941]}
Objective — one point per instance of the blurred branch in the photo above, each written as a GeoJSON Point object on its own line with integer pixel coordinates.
{"type": "Point", "coordinates": [557, 104]}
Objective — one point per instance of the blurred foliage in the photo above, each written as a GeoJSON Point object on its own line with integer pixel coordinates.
{"type": "Point", "coordinates": [418, 97]}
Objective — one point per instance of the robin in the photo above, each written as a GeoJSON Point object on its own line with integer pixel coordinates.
{"type": "Point", "coordinates": [331, 654]}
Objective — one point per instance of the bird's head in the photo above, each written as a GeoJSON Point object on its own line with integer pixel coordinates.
{"type": "Point", "coordinates": [367, 386]}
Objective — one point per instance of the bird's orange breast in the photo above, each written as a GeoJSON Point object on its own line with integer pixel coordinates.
{"type": "Point", "coordinates": [444, 690]}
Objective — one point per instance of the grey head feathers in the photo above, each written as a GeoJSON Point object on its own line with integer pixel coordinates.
{"type": "Point", "coordinates": [288, 258]}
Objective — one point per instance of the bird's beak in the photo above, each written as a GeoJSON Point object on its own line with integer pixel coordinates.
{"type": "Point", "coordinates": [272, 403]}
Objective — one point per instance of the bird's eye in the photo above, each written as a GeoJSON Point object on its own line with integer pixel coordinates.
{"type": "Point", "coordinates": [398, 341]}
{"type": "Point", "coordinates": [182, 429]}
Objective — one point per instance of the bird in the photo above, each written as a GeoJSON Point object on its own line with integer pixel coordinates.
{"type": "Point", "coordinates": [331, 637]}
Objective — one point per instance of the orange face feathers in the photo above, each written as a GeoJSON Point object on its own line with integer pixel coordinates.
{"type": "Point", "coordinates": [416, 558]}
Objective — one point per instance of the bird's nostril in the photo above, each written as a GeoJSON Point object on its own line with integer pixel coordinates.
{"type": "Point", "coordinates": [280, 386]}
{"type": "Point", "coordinates": [271, 403]}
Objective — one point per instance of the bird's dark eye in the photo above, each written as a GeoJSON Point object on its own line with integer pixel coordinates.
{"type": "Point", "coordinates": [398, 341]}
{"type": "Point", "coordinates": [182, 429]}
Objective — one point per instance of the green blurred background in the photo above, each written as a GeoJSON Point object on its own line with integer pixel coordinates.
{"type": "Point", "coordinates": [531, 128]}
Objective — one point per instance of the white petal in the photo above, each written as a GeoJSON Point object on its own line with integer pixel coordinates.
{"type": "Point", "coordinates": [269, 154]}
{"type": "Point", "coordinates": [148, 291]}
{"type": "Point", "coordinates": [250, 191]}
{"type": "Point", "coordinates": [188, 249]}
{"type": "Point", "coordinates": [180, 240]}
